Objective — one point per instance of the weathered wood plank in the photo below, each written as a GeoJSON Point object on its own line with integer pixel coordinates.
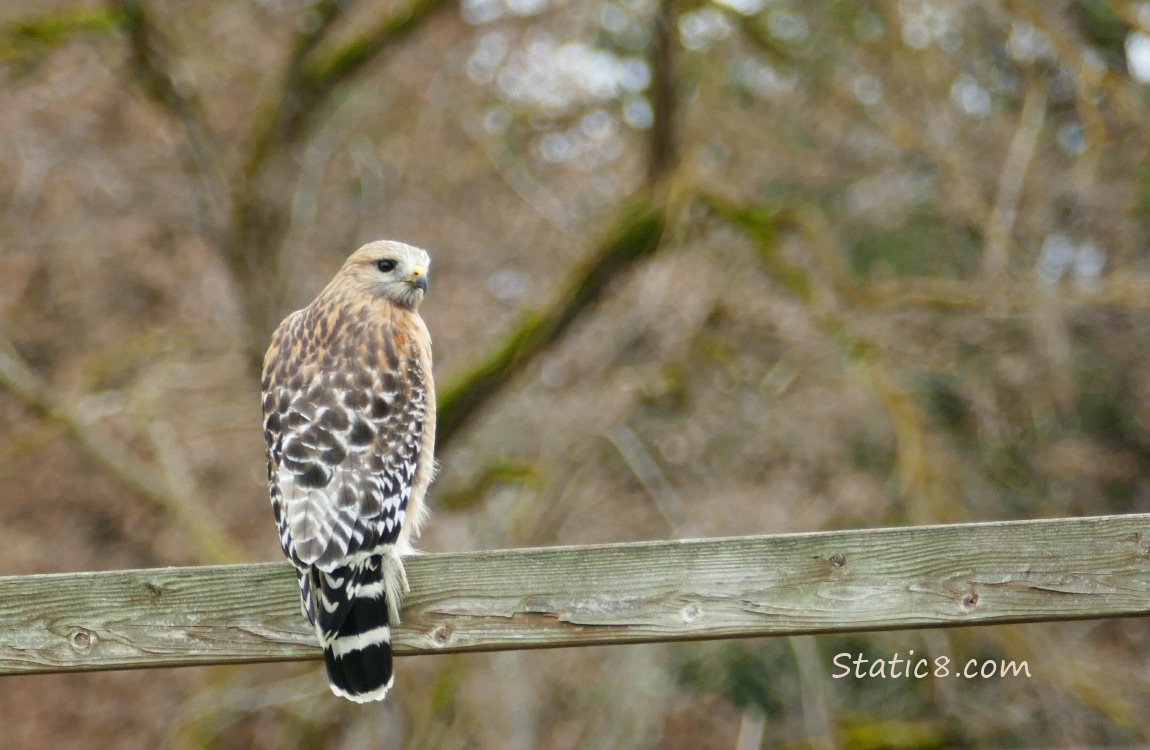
{"type": "Point", "coordinates": [972, 574]}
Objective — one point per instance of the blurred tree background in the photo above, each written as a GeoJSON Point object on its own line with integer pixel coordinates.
{"type": "Point", "coordinates": [700, 269]}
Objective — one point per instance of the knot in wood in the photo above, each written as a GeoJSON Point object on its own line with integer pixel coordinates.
{"type": "Point", "coordinates": [81, 639]}
{"type": "Point", "coordinates": [441, 636]}
{"type": "Point", "coordinates": [690, 613]}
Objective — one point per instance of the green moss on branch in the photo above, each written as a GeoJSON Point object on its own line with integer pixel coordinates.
{"type": "Point", "coordinates": [636, 236]}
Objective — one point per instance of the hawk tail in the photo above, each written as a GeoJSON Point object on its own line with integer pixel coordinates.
{"type": "Point", "coordinates": [352, 608]}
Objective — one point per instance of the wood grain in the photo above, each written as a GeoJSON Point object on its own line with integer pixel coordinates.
{"type": "Point", "coordinates": [879, 579]}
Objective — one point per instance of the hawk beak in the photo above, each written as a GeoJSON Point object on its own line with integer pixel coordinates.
{"type": "Point", "coordinates": [418, 278]}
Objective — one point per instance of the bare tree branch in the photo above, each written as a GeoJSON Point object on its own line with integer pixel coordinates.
{"type": "Point", "coordinates": [311, 75]}
{"type": "Point", "coordinates": [1000, 225]}
{"type": "Point", "coordinates": [26, 40]}
{"type": "Point", "coordinates": [636, 236]}
{"type": "Point", "coordinates": [261, 206]}
{"type": "Point", "coordinates": [155, 73]}
{"type": "Point", "coordinates": [832, 300]}
{"type": "Point", "coordinates": [663, 156]}
{"type": "Point", "coordinates": [328, 71]}
{"type": "Point", "coordinates": [18, 377]}
{"type": "Point", "coordinates": [251, 206]}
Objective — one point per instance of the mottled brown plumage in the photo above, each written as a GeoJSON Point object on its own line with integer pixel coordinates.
{"type": "Point", "coordinates": [349, 420]}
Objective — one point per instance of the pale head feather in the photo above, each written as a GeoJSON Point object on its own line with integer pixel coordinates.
{"type": "Point", "coordinates": [390, 270]}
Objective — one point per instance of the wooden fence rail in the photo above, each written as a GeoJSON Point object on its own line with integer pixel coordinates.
{"type": "Point", "coordinates": [835, 582]}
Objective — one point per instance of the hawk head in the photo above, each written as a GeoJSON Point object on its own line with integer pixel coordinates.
{"type": "Point", "coordinates": [392, 270]}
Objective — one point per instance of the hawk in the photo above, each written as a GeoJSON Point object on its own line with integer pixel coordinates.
{"type": "Point", "coordinates": [349, 420]}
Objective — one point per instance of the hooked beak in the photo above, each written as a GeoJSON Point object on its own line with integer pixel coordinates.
{"type": "Point", "coordinates": [418, 278]}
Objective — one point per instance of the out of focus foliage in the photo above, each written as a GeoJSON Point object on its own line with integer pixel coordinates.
{"type": "Point", "coordinates": [892, 269]}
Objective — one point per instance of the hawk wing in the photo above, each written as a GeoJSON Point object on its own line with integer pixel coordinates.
{"type": "Point", "coordinates": [343, 433]}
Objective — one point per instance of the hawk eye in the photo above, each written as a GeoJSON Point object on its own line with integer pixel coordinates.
{"type": "Point", "coordinates": [387, 265]}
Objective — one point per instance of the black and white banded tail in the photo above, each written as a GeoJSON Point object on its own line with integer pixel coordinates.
{"type": "Point", "coordinates": [349, 608]}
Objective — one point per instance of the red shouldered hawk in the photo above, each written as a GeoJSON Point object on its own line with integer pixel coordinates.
{"type": "Point", "coordinates": [349, 420]}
